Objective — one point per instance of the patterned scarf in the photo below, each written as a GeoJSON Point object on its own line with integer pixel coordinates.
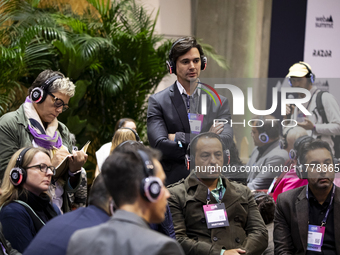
{"type": "Point", "coordinates": [46, 138]}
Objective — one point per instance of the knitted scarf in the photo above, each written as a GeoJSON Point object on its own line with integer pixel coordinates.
{"type": "Point", "coordinates": [46, 138]}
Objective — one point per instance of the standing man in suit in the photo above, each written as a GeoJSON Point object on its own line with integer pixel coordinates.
{"type": "Point", "coordinates": [168, 122]}
{"type": "Point", "coordinates": [135, 180]}
{"type": "Point", "coordinates": [266, 155]}
{"type": "Point", "coordinates": [306, 218]}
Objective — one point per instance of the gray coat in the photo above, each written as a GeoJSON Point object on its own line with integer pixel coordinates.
{"type": "Point", "coordinates": [124, 234]}
{"type": "Point", "coordinates": [273, 156]}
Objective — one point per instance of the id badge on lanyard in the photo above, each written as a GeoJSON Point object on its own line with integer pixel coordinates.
{"type": "Point", "coordinates": [195, 121]}
{"type": "Point", "coordinates": [315, 237]}
{"type": "Point", "coordinates": [215, 214]}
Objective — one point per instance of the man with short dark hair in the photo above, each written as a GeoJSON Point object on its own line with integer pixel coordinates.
{"type": "Point", "coordinates": [168, 122]}
{"type": "Point", "coordinates": [135, 179]}
{"type": "Point", "coordinates": [306, 219]}
{"type": "Point", "coordinates": [210, 214]}
{"type": "Point", "coordinates": [267, 158]}
{"type": "Point", "coordinates": [53, 238]}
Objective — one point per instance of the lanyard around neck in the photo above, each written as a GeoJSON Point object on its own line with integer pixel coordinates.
{"type": "Point", "coordinates": [329, 206]}
{"type": "Point", "coordinates": [219, 196]}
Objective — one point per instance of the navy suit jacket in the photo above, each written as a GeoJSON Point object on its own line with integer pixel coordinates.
{"type": "Point", "coordinates": [53, 238]}
{"type": "Point", "coordinates": [167, 114]}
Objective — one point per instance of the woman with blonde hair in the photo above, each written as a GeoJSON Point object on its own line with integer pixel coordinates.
{"type": "Point", "coordinates": [123, 134]}
{"type": "Point", "coordinates": [25, 204]}
{"type": "Point", "coordinates": [105, 150]}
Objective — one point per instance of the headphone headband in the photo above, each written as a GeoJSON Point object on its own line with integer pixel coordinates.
{"type": "Point", "coordinates": [131, 142]}
{"type": "Point", "coordinates": [50, 81]}
{"type": "Point", "coordinates": [283, 141]}
{"type": "Point", "coordinates": [173, 45]}
{"type": "Point", "coordinates": [21, 157]}
{"type": "Point", "coordinates": [308, 69]}
{"type": "Point", "coordinates": [147, 163]}
{"type": "Point", "coordinates": [135, 133]}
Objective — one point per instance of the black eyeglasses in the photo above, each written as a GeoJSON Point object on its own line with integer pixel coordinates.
{"type": "Point", "coordinates": [58, 102]}
{"type": "Point", "coordinates": [43, 168]}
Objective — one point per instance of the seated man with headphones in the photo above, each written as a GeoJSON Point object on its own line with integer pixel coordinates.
{"type": "Point", "coordinates": [135, 180]}
{"type": "Point", "coordinates": [175, 114]}
{"type": "Point", "coordinates": [267, 156]}
{"type": "Point", "coordinates": [306, 218]}
{"type": "Point", "coordinates": [212, 215]}
{"type": "Point", "coordinates": [35, 124]}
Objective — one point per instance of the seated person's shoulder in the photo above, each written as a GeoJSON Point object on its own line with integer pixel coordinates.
{"type": "Point", "coordinates": [290, 195]}
{"type": "Point", "coordinates": [238, 187]}
{"type": "Point", "coordinates": [13, 210]}
{"type": "Point", "coordinates": [177, 186]}
{"type": "Point", "coordinates": [10, 118]}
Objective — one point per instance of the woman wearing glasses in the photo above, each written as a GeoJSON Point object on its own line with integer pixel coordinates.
{"type": "Point", "coordinates": [35, 124]}
{"type": "Point", "coordinates": [25, 204]}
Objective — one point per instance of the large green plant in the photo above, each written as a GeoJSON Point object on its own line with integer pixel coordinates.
{"type": "Point", "coordinates": [110, 52]}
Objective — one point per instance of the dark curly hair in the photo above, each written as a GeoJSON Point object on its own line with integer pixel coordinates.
{"type": "Point", "coordinates": [266, 206]}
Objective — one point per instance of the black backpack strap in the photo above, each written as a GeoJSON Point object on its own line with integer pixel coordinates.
{"type": "Point", "coordinates": [38, 223]}
{"type": "Point", "coordinates": [320, 108]}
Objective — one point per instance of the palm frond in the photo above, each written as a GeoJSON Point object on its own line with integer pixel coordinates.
{"type": "Point", "coordinates": [210, 52]}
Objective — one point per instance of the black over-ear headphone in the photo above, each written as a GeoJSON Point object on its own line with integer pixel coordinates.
{"type": "Point", "coordinates": [310, 74]}
{"type": "Point", "coordinates": [171, 64]}
{"type": "Point", "coordinates": [38, 94]}
{"type": "Point", "coordinates": [283, 141]}
{"type": "Point", "coordinates": [263, 137]}
{"type": "Point", "coordinates": [293, 154]}
{"type": "Point", "coordinates": [18, 174]}
{"type": "Point", "coordinates": [151, 186]}
{"type": "Point", "coordinates": [190, 159]}
{"type": "Point", "coordinates": [136, 135]}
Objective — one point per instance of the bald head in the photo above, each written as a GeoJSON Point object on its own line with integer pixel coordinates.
{"type": "Point", "coordinates": [292, 135]}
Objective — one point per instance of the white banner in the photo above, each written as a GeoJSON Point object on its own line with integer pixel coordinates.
{"type": "Point", "coordinates": [322, 47]}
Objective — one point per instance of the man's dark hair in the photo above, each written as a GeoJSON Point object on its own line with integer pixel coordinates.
{"type": "Point", "coordinates": [99, 195]}
{"type": "Point", "coordinates": [311, 146]}
{"type": "Point", "coordinates": [273, 132]}
{"type": "Point", "coordinates": [234, 155]}
{"type": "Point", "coordinates": [123, 172]}
{"type": "Point", "coordinates": [121, 122]}
{"type": "Point", "coordinates": [193, 143]}
{"type": "Point", "coordinates": [266, 206]}
{"type": "Point", "coordinates": [182, 46]}
{"type": "Point", "coordinates": [42, 77]}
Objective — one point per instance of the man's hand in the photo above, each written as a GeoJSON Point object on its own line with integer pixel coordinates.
{"type": "Point", "coordinates": [234, 251]}
{"type": "Point", "coordinates": [289, 110]}
{"type": "Point", "coordinates": [77, 160]}
{"type": "Point", "coordinates": [59, 155]}
{"type": "Point", "coordinates": [307, 124]}
{"type": "Point", "coordinates": [217, 129]}
{"type": "Point", "coordinates": [172, 137]}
